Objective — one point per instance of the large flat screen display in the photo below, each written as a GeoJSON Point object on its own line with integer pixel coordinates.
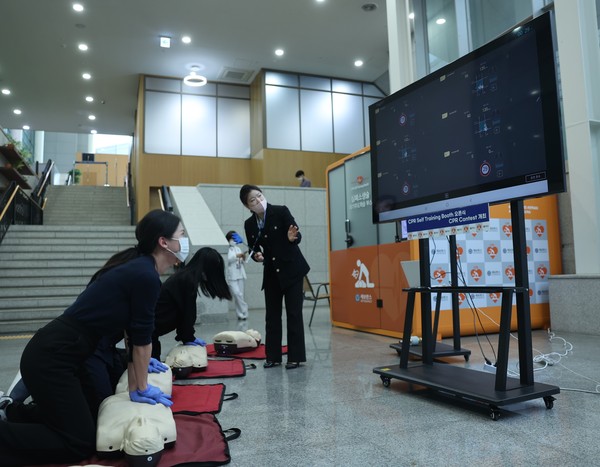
{"type": "Point", "coordinates": [483, 129]}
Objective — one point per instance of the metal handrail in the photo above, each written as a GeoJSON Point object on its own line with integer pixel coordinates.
{"type": "Point", "coordinates": [18, 208]}
{"type": "Point", "coordinates": [40, 190]}
{"type": "Point", "coordinates": [166, 199]}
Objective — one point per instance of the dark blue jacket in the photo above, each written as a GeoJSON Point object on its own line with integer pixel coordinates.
{"type": "Point", "coordinates": [281, 257]}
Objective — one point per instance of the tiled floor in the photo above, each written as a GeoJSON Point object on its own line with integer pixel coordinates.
{"type": "Point", "coordinates": [335, 411]}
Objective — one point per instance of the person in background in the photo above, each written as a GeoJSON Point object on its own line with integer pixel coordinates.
{"type": "Point", "coordinates": [176, 306]}
{"type": "Point", "coordinates": [273, 236]}
{"type": "Point", "coordinates": [304, 182]}
{"type": "Point", "coordinates": [236, 273]}
{"type": "Point", "coordinates": [60, 427]}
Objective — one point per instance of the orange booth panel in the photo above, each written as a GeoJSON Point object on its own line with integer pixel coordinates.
{"type": "Point", "coordinates": [380, 308]}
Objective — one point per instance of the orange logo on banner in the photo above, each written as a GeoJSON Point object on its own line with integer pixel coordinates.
{"type": "Point", "coordinates": [359, 179]}
{"type": "Point", "coordinates": [528, 250]}
{"type": "Point", "coordinates": [542, 271]}
{"type": "Point", "coordinates": [492, 250]}
{"type": "Point", "coordinates": [453, 231]}
{"type": "Point", "coordinates": [507, 229]}
{"type": "Point", "coordinates": [510, 273]}
{"type": "Point", "coordinates": [476, 273]}
{"type": "Point", "coordinates": [494, 297]}
{"type": "Point", "coordinates": [439, 275]}
{"type": "Point", "coordinates": [530, 293]}
{"type": "Point", "coordinates": [539, 230]}
{"type": "Point", "coordinates": [461, 298]}
{"type": "Point", "coordinates": [459, 251]}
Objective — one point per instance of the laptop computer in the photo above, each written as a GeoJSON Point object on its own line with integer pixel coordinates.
{"type": "Point", "coordinates": [412, 273]}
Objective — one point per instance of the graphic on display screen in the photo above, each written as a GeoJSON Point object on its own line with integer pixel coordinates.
{"type": "Point", "coordinates": [478, 125]}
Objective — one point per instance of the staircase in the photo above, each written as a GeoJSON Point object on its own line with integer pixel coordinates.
{"type": "Point", "coordinates": [86, 205]}
{"type": "Point", "coordinates": [44, 267]}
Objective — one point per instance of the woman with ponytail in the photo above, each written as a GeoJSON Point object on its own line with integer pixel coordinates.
{"type": "Point", "coordinates": [176, 307]}
{"type": "Point", "coordinates": [121, 296]}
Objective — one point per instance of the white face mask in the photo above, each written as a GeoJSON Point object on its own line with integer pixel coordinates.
{"type": "Point", "coordinates": [260, 207]}
{"type": "Point", "coordinates": [231, 243]}
{"type": "Point", "coordinates": [184, 249]}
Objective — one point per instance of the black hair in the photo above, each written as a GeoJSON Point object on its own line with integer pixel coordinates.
{"type": "Point", "coordinates": [245, 190]}
{"type": "Point", "coordinates": [300, 173]}
{"type": "Point", "coordinates": [206, 270]}
{"type": "Point", "coordinates": [229, 235]}
{"type": "Point", "coordinates": [150, 228]}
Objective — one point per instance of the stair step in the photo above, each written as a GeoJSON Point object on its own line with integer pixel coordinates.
{"type": "Point", "coordinates": [26, 326]}
{"type": "Point", "coordinates": [23, 292]}
{"type": "Point", "coordinates": [57, 255]}
{"type": "Point", "coordinates": [16, 305]}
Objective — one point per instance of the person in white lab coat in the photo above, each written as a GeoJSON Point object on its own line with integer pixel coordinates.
{"type": "Point", "coordinates": [236, 274]}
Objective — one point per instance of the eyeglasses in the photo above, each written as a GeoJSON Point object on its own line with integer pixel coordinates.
{"type": "Point", "coordinates": [255, 199]}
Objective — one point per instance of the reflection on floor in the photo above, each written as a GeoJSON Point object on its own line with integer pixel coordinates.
{"type": "Point", "coordinates": [335, 411]}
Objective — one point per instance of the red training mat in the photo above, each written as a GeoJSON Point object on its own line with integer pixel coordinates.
{"type": "Point", "coordinates": [198, 398]}
{"type": "Point", "coordinates": [200, 441]}
{"type": "Point", "coordinates": [220, 369]}
{"type": "Point", "coordinates": [257, 353]}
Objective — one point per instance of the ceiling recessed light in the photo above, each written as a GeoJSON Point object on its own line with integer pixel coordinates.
{"type": "Point", "coordinates": [369, 7]}
{"type": "Point", "coordinates": [358, 63]}
{"type": "Point", "coordinates": [93, 132]}
{"type": "Point", "coordinates": [86, 76]}
{"type": "Point", "coordinates": [165, 42]}
{"type": "Point", "coordinates": [89, 99]}
{"type": "Point", "coordinates": [411, 16]}
{"type": "Point", "coordinates": [82, 47]}
{"type": "Point", "coordinates": [26, 127]}
{"type": "Point", "coordinates": [440, 21]}
{"type": "Point", "coordinates": [320, 1]}
{"type": "Point", "coordinates": [77, 7]}
{"type": "Point", "coordinates": [17, 111]}
{"type": "Point", "coordinates": [186, 39]}
{"type": "Point", "coordinates": [92, 117]}
{"type": "Point", "coordinates": [6, 91]}
{"type": "Point", "coordinates": [279, 52]}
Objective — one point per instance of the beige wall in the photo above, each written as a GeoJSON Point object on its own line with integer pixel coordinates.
{"type": "Point", "coordinates": [111, 171]}
{"type": "Point", "coordinates": [266, 167]}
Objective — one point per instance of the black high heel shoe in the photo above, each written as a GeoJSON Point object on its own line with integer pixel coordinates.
{"type": "Point", "coordinates": [269, 364]}
{"type": "Point", "coordinates": [292, 365]}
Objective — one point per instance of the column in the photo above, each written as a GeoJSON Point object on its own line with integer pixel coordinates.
{"type": "Point", "coordinates": [399, 43]}
{"type": "Point", "coordinates": [579, 58]}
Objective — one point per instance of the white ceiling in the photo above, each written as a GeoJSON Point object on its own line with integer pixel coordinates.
{"type": "Point", "coordinates": [41, 65]}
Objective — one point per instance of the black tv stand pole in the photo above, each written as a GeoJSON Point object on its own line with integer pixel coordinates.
{"type": "Point", "coordinates": [440, 349]}
{"type": "Point", "coordinates": [494, 390]}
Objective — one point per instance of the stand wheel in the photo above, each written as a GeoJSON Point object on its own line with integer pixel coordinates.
{"type": "Point", "coordinates": [549, 401]}
{"type": "Point", "coordinates": [494, 414]}
{"type": "Point", "coordinates": [386, 381]}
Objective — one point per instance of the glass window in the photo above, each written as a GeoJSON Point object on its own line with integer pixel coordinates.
{"type": "Point", "coordinates": [199, 126]}
{"type": "Point", "coordinates": [209, 89]}
{"type": "Point", "coordinates": [233, 134]}
{"type": "Point", "coordinates": [162, 125]}
{"type": "Point", "coordinates": [349, 87]}
{"type": "Point", "coordinates": [163, 84]}
{"type": "Point", "coordinates": [348, 128]}
{"type": "Point", "coordinates": [281, 79]}
{"type": "Point", "coordinates": [315, 82]}
{"type": "Point", "coordinates": [283, 118]}
{"type": "Point", "coordinates": [316, 123]}
{"type": "Point", "coordinates": [489, 19]}
{"type": "Point", "coordinates": [372, 90]}
{"type": "Point", "coordinates": [231, 90]}
{"type": "Point", "coordinates": [442, 33]}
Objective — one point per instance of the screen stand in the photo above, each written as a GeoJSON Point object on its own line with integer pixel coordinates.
{"type": "Point", "coordinates": [439, 349]}
{"type": "Point", "coordinates": [478, 386]}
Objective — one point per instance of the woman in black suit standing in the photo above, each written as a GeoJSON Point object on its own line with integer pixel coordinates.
{"type": "Point", "coordinates": [273, 237]}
